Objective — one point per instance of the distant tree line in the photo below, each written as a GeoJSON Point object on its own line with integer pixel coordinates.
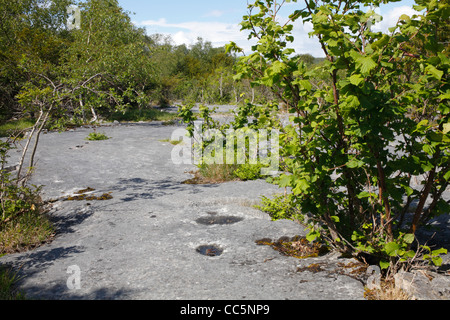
{"type": "Point", "coordinates": [104, 65]}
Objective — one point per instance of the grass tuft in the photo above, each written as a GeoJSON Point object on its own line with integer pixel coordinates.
{"type": "Point", "coordinates": [95, 136]}
{"type": "Point", "coordinates": [25, 232]}
{"type": "Point", "coordinates": [213, 174]}
{"type": "Point", "coordinates": [8, 280]}
{"type": "Point", "coordinates": [388, 291]}
{"type": "Point", "coordinates": [13, 127]}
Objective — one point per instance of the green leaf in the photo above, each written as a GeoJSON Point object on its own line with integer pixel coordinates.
{"type": "Point", "coordinates": [384, 264]}
{"type": "Point", "coordinates": [439, 251]}
{"type": "Point", "coordinates": [381, 42]}
{"type": "Point", "coordinates": [335, 218]}
{"type": "Point", "coordinates": [419, 8]}
{"type": "Point", "coordinates": [428, 149]}
{"type": "Point", "coordinates": [351, 103]}
{"type": "Point", "coordinates": [278, 66]}
{"type": "Point", "coordinates": [301, 187]}
{"type": "Point", "coordinates": [285, 181]}
{"type": "Point", "coordinates": [312, 235]}
{"type": "Point", "coordinates": [367, 64]}
{"type": "Point", "coordinates": [392, 248]}
{"type": "Point", "coordinates": [435, 136]}
{"type": "Point", "coordinates": [408, 238]}
{"type": "Point", "coordinates": [444, 58]}
{"type": "Point", "coordinates": [437, 74]}
{"type": "Point", "coordinates": [405, 17]}
{"type": "Point", "coordinates": [305, 84]}
{"type": "Point", "coordinates": [444, 96]}
{"type": "Point", "coordinates": [422, 123]}
{"type": "Point", "coordinates": [447, 175]}
{"type": "Point", "coordinates": [363, 194]}
{"type": "Point", "coordinates": [409, 191]}
{"type": "Point", "coordinates": [437, 261]}
{"type": "Point", "coordinates": [355, 163]}
{"type": "Point", "coordinates": [426, 166]}
{"type": "Point", "coordinates": [356, 79]}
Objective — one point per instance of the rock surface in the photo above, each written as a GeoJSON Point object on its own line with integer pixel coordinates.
{"type": "Point", "coordinates": [145, 240]}
{"type": "Point", "coordinates": [422, 285]}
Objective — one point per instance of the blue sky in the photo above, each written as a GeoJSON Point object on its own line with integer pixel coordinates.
{"type": "Point", "coordinates": [218, 21]}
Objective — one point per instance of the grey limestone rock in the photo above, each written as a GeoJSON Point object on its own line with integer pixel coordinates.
{"type": "Point", "coordinates": [149, 239]}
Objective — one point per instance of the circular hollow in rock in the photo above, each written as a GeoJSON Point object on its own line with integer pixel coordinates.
{"type": "Point", "coordinates": [209, 250]}
{"type": "Point", "coordinates": [218, 220]}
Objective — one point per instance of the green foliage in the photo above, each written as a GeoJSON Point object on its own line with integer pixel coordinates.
{"type": "Point", "coordinates": [104, 66]}
{"type": "Point", "coordinates": [22, 222]}
{"type": "Point", "coordinates": [8, 280]}
{"type": "Point", "coordinates": [25, 231]}
{"type": "Point", "coordinates": [280, 207]}
{"type": "Point", "coordinates": [376, 120]}
{"type": "Point", "coordinates": [188, 117]}
{"type": "Point", "coordinates": [31, 32]}
{"type": "Point", "coordinates": [198, 73]}
{"type": "Point", "coordinates": [143, 114]}
{"type": "Point", "coordinates": [14, 198]}
{"type": "Point", "coordinates": [95, 136]}
{"type": "Point", "coordinates": [433, 256]}
{"type": "Point", "coordinates": [107, 66]}
{"type": "Point", "coordinates": [14, 127]}
{"type": "Point", "coordinates": [249, 171]}
{"type": "Point", "coordinates": [244, 168]}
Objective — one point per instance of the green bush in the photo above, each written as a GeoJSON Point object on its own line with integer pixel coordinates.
{"type": "Point", "coordinates": [280, 207]}
{"type": "Point", "coordinates": [248, 171]}
{"type": "Point", "coordinates": [95, 136]}
{"type": "Point", "coordinates": [377, 119]}
{"type": "Point", "coordinates": [23, 222]}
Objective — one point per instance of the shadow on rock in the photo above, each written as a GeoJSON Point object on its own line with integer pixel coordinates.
{"type": "Point", "coordinates": [26, 265]}
{"type": "Point", "coordinates": [66, 223]}
{"type": "Point", "coordinates": [437, 233]}
{"type": "Point", "coordinates": [139, 188]}
{"type": "Point", "coordinates": [61, 292]}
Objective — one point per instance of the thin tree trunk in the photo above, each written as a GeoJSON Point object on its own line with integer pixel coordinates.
{"type": "Point", "coordinates": [44, 121]}
{"type": "Point", "coordinates": [25, 149]}
{"type": "Point", "coordinates": [94, 115]}
{"type": "Point", "coordinates": [82, 109]}
{"type": "Point", "coordinates": [424, 195]}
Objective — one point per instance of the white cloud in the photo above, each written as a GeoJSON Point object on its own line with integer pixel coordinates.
{"type": "Point", "coordinates": [221, 33]}
{"type": "Point", "coordinates": [214, 13]}
{"type": "Point", "coordinates": [218, 33]}
{"type": "Point", "coordinates": [390, 18]}
{"type": "Point", "coordinates": [303, 43]}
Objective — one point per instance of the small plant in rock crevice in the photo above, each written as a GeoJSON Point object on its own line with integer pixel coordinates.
{"type": "Point", "coordinates": [95, 136]}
